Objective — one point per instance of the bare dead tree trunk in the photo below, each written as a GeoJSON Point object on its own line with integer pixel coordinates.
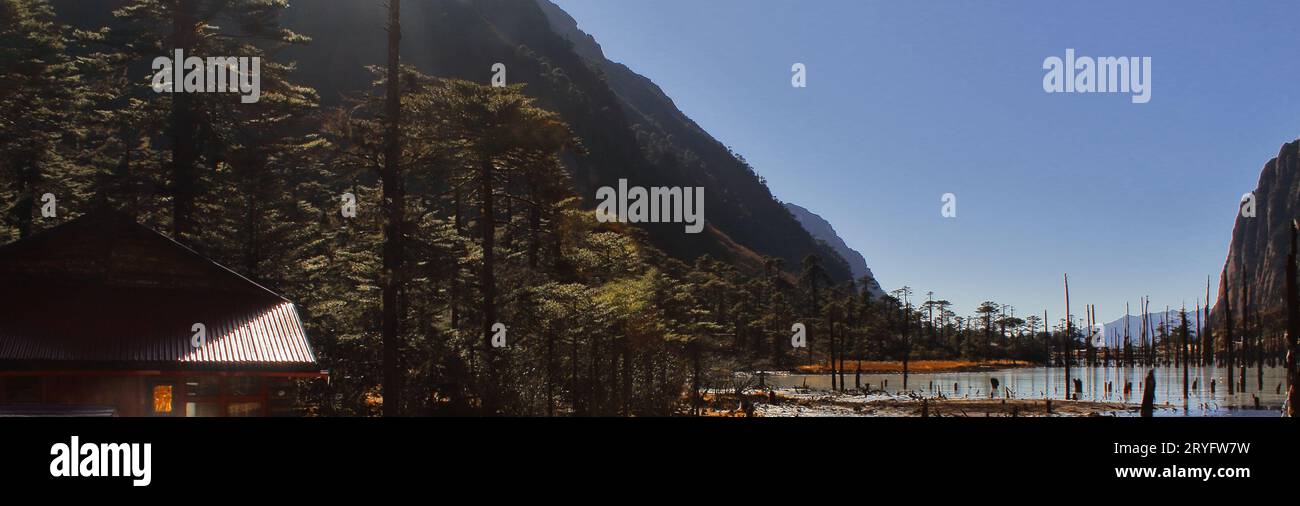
{"type": "Point", "coordinates": [1147, 331]}
{"type": "Point", "coordinates": [1069, 336]}
{"type": "Point", "coordinates": [184, 135]}
{"type": "Point", "coordinates": [1128, 344]}
{"type": "Point", "coordinates": [1207, 341]}
{"type": "Point", "coordinates": [1227, 328]}
{"type": "Point", "coordinates": [1183, 357]}
{"type": "Point", "coordinates": [1167, 340]}
{"type": "Point", "coordinates": [1292, 328]}
{"type": "Point", "coordinates": [1245, 327]}
{"type": "Point", "coordinates": [907, 342]}
{"type": "Point", "coordinates": [1142, 332]}
{"type": "Point", "coordinates": [1258, 347]}
{"type": "Point", "coordinates": [1047, 340]}
{"type": "Point", "coordinates": [394, 207]}
{"type": "Point", "coordinates": [1149, 395]}
{"type": "Point", "coordinates": [1090, 353]}
{"type": "Point", "coordinates": [1200, 334]}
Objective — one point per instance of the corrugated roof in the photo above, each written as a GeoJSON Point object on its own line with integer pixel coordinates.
{"type": "Point", "coordinates": [56, 410]}
{"type": "Point", "coordinates": [104, 292]}
{"type": "Point", "coordinates": [267, 336]}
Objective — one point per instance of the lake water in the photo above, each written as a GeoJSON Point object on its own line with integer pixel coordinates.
{"type": "Point", "coordinates": [1044, 382]}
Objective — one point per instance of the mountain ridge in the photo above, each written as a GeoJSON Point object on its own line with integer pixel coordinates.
{"type": "Point", "coordinates": [630, 128]}
{"type": "Point", "coordinates": [1114, 331]}
{"type": "Point", "coordinates": [656, 115]}
{"type": "Point", "coordinates": [825, 232]}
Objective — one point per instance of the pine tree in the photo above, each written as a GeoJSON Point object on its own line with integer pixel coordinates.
{"type": "Point", "coordinates": [394, 209]}
{"type": "Point", "coordinates": [39, 84]}
{"type": "Point", "coordinates": [192, 125]}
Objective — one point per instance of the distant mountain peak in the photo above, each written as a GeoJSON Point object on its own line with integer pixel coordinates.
{"type": "Point", "coordinates": [1114, 331]}
{"type": "Point", "coordinates": [823, 231]}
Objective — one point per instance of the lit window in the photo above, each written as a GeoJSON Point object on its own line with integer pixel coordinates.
{"type": "Point", "coordinates": [162, 399]}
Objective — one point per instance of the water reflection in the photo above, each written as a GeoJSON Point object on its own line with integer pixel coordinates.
{"type": "Point", "coordinates": [1207, 387]}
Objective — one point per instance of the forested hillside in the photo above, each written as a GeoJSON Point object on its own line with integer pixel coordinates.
{"type": "Point", "coordinates": [630, 128]}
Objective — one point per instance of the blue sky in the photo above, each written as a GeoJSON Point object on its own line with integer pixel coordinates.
{"type": "Point", "coordinates": [907, 101]}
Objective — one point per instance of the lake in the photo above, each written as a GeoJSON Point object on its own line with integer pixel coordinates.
{"type": "Point", "coordinates": [1045, 382]}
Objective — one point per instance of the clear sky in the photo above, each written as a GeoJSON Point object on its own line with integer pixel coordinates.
{"type": "Point", "coordinates": [909, 100]}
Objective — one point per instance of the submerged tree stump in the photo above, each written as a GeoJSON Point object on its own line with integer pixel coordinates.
{"type": "Point", "coordinates": [1293, 324]}
{"type": "Point", "coordinates": [1149, 395]}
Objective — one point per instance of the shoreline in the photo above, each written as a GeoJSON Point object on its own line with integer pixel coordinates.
{"type": "Point", "coordinates": [790, 402]}
{"type": "Point", "coordinates": [914, 367]}
{"type": "Point", "coordinates": [941, 408]}
{"type": "Point", "coordinates": [797, 402]}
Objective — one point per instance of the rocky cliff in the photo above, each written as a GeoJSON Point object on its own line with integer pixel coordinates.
{"type": "Point", "coordinates": [1260, 244]}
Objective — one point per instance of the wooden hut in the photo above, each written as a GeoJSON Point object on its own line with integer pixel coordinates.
{"type": "Point", "coordinates": [103, 316]}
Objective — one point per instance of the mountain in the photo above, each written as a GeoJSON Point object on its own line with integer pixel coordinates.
{"type": "Point", "coordinates": [676, 143]}
{"type": "Point", "coordinates": [630, 128]}
{"type": "Point", "coordinates": [1260, 244]}
{"type": "Point", "coordinates": [823, 231]}
{"type": "Point", "coordinates": [1114, 331]}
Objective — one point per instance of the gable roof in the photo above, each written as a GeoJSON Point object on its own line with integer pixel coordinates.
{"type": "Point", "coordinates": [104, 292]}
{"type": "Point", "coordinates": [111, 249]}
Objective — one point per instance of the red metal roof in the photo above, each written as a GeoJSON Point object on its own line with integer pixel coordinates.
{"type": "Point", "coordinates": [267, 336]}
{"type": "Point", "coordinates": [103, 292]}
